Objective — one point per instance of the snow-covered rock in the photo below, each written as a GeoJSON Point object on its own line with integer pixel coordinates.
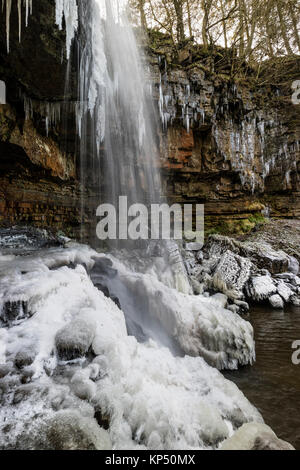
{"type": "Point", "coordinates": [232, 274]}
{"type": "Point", "coordinates": [260, 288]}
{"type": "Point", "coordinates": [293, 265]}
{"type": "Point", "coordinates": [295, 300]}
{"type": "Point", "coordinates": [75, 339]}
{"type": "Point", "coordinates": [255, 436]}
{"type": "Point", "coordinates": [284, 291]}
{"type": "Point", "coordinates": [220, 299]}
{"type": "Point", "coordinates": [276, 301]}
{"type": "Point", "coordinates": [68, 430]}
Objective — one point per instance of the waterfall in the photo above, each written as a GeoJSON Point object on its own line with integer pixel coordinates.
{"type": "Point", "coordinates": [116, 120]}
{"type": "Point", "coordinates": [54, 317]}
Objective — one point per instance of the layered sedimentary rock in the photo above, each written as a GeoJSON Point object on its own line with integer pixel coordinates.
{"type": "Point", "coordinates": [38, 169]}
{"type": "Point", "coordinates": [229, 142]}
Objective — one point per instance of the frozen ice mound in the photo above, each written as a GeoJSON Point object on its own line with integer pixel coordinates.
{"type": "Point", "coordinates": [152, 398]}
{"type": "Point", "coordinates": [201, 326]}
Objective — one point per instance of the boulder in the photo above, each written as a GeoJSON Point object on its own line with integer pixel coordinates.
{"type": "Point", "coordinates": [68, 430]}
{"type": "Point", "coordinates": [276, 301]}
{"type": "Point", "coordinates": [75, 339]}
{"type": "Point", "coordinates": [25, 357]}
{"type": "Point", "coordinates": [193, 246]}
{"type": "Point", "coordinates": [289, 278]}
{"type": "Point", "coordinates": [260, 253]}
{"type": "Point", "coordinates": [293, 265]}
{"type": "Point", "coordinates": [14, 312]}
{"type": "Point", "coordinates": [231, 275]}
{"type": "Point", "coordinates": [260, 288]}
{"type": "Point", "coordinates": [295, 300]}
{"type": "Point", "coordinates": [284, 291]}
{"type": "Point", "coordinates": [255, 436]}
{"type": "Point", "coordinates": [6, 369]}
{"type": "Point", "coordinates": [244, 306]}
{"type": "Point", "coordinates": [220, 299]}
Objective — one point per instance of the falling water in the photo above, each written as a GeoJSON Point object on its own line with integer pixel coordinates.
{"type": "Point", "coordinates": [154, 400]}
{"type": "Point", "coordinates": [116, 121]}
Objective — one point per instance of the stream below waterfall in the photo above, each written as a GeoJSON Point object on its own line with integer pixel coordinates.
{"type": "Point", "coordinates": [272, 384]}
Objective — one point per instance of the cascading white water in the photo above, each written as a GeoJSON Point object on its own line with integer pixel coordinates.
{"type": "Point", "coordinates": [115, 118]}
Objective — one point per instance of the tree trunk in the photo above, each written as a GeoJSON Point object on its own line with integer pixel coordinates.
{"type": "Point", "coordinates": [142, 14]}
{"type": "Point", "coordinates": [189, 18]}
{"type": "Point", "coordinates": [206, 6]}
{"type": "Point", "coordinates": [283, 28]}
{"type": "Point", "coordinates": [179, 17]}
{"type": "Point", "coordinates": [241, 29]}
{"type": "Point", "coordinates": [295, 24]}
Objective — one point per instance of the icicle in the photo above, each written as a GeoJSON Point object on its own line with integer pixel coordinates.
{"type": "Point", "coordinates": [20, 18]}
{"type": "Point", "coordinates": [26, 12]}
{"type": "Point", "coordinates": [28, 8]}
{"type": "Point", "coordinates": [8, 12]}
{"type": "Point", "coordinates": [67, 9]}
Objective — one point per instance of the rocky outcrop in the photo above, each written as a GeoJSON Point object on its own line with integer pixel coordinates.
{"type": "Point", "coordinates": [245, 271]}
{"type": "Point", "coordinates": [228, 142]}
{"type": "Point", "coordinates": [38, 169]}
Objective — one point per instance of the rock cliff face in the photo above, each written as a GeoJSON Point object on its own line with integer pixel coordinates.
{"type": "Point", "coordinates": [232, 143]}
{"type": "Point", "coordinates": [38, 169]}
{"type": "Point", "coordinates": [226, 142]}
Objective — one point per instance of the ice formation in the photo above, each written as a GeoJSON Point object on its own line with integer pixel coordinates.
{"type": "Point", "coordinates": [201, 326]}
{"type": "Point", "coordinates": [67, 10]}
{"type": "Point", "coordinates": [113, 93]}
{"type": "Point", "coordinates": [153, 399]}
{"type": "Point", "coordinates": [50, 111]}
{"type": "Point", "coordinates": [8, 6]}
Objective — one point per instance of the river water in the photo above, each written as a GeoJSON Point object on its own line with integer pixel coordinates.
{"type": "Point", "coordinates": [272, 384]}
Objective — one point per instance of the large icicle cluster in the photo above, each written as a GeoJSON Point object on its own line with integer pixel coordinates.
{"type": "Point", "coordinates": [68, 10]}
{"type": "Point", "coordinates": [8, 5]}
{"type": "Point", "coordinates": [65, 9]}
{"type": "Point", "coordinates": [50, 308]}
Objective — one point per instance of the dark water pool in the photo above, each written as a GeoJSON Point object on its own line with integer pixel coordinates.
{"type": "Point", "coordinates": [272, 384]}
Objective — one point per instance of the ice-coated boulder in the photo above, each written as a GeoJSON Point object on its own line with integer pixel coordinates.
{"type": "Point", "coordinates": [75, 339]}
{"type": "Point", "coordinates": [220, 299]}
{"type": "Point", "coordinates": [231, 275]}
{"type": "Point", "coordinates": [284, 291]}
{"type": "Point", "coordinates": [276, 301]}
{"type": "Point", "coordinates": [255, 436]}
{"type": "Point", "coordinates": [13, 312]}
{"type": "Point", "coordinates": [25, 357]}
{"type": "Point", "coordinates": [68, 430]}
{"type": "Point", "coordinates": [260, 288]}
{"type": "Point", "coordinates": [293, 265]}
{"type": "Point", "coordinates": [261, 254]}
{"type": "Point", "coordinates": [295, 300]}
